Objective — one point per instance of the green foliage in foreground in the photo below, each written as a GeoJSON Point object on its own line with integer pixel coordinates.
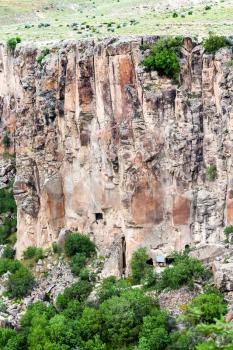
{"type": "Point", "coordinates": [214, 43]}
{"type": "Point", "coordinates": [164, 57]}
{"type": "Point", "coordinates": [123, 317]}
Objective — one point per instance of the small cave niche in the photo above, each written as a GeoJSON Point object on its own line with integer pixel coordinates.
{"type": "Point", "coordinates": [149, 262]}
{"type": "Point", "coordinates": [187, 248]}
{"type": "Point", "coordinates": [98, 216]}
{"type": "Point", "coordinates": [169, 260]}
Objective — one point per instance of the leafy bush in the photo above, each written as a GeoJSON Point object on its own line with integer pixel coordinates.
{"type": "Point", "coordinates": [42, 55]}
{"type": "Point", "coordinates": [228, 231]}
{"type": "Point", "coordinates": [8, 253]}
{"type": "Point", "coordinates": [205, 308]}
{"type": "Point", "coordinates": [6, 141]}
{"type": "Point", "coordinates": [20, 283]}
{"type": "Point", "coordinates": [78, 262]}
{"type": "Point", "coordinates": [33, 253]}
{"type": "Point", "coordinates": [154, 334]}
{"type": "Point", "coordinates": [218, 335]}
{"type": "Point", "coordinates": [214, 43]}
{"type": "Point", "coordinates": [12, 42]}
{"type": "Point", "coordinates": [7, 201]}
{"type": "Point", "coordinates": [87, 275]}
{"type": "Point", "coordinates": [36, 310]}
{"type": "Point", "coordinates": [110, 287]}
{"type": "Point", "coordinates": [164, 57]}
{"type": "Point", "coordinates": [185, 270]}
{"type": "Point", "coordinates": [78, 243]}
{"type": "Point", "coordinates": [121, 317]}
{"type": "Point", "coordinates": [175, 15]}
{"type": "Point", "coordinates": [141, 271]}
{"type": "Point", "coordinates": [211, 172]}
{"type": "Point", "coordinates": [9, 265]}
{"type": "Point", "coordinates": [7, 228]}
{"type": "Point", "coordinates": [78, 291]}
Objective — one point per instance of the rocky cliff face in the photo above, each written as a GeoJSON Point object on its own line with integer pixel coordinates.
{"type": "Point", "coordinates": [105, 148]}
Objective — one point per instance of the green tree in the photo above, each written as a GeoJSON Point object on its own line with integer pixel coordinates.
{"type": "Point", "coordinates": [20, 283]}
{"type": "Point", "coordinates": [154, 334]}
{"type": "Point", "coordinates": [79, 243]}
{"type": "Point", "coordinates": [122, 317]}
{"type": "Point", "coordinates": [141, 271]}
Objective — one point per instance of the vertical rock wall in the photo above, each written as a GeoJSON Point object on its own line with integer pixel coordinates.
{"type": "Point", "coordinates": [105, 148]}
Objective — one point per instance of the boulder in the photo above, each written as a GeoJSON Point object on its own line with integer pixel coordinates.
{"type": "Point", "coordinates": [223, 276]}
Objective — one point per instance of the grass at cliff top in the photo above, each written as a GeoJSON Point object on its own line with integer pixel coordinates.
{"type": "Point", "coordinates": [102, 18]}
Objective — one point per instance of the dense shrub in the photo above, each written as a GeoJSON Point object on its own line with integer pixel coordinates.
{"type": "Point", "coordinates": [87, 275]}
{"type": "Point", "coordinates": [214, 43]}
{"type": "Point", "coordinates": [205, 308]}
{"type": "Point", "coordinates": [141, 271]}
{"type": "Point", "coordinates": [11, 340]}
{"type": "Point", "coordinates": [78, 262]}
{"type": "Point", "coordinates": [7, 201]}
{"type": "Point", "coordinates": [33, 253]}
{"type": "Point", "coordinates": [122, 316]}
{"type": "Point", "coordinates": [78, 291]}
{"type": "Point", "coordinates": [8, 253]}
{"type": "Point", "coordinates": [7, 228]}
{"type": "Point", "coordinates": [12, 42]}
{"type": "Point", "coordinates": [9, 265]}
{"type": "Point", "coordinates": [211, 172]}
{"type": "Point", "coordinates": [20, 283]}
{"type": "Point", "coordinates": [110, 287]}
{"type": "Point", "coordinates": [154, 334]}
{"type": "Point", "coordinates": [37, 309]}
{"type": "Point", "coordinates": [164, 57]}
{"type": "Point", "coordinates": [218, 335]}
{"type": "Point", "coordinates": [185, 270]}
{"type": "Point", "coordinates": [78, 243]}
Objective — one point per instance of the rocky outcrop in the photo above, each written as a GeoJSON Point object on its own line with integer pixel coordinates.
{"type": "Point", "coordinates": [106, 148]}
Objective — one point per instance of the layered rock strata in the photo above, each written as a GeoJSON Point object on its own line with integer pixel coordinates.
{"type": "Point", "coordinates": [106, 148]}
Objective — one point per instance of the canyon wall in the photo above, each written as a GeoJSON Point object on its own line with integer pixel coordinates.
{"type": "Point", "coordinates": [105, 148]}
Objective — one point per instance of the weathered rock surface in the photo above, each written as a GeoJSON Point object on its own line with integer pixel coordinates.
{"type": "Point", "coordinates": [47, 289]}
{"type": "Point", "coordinates": [106, 148]}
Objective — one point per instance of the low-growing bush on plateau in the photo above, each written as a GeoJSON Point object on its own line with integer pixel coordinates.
{"type": "Point", "coordinates": [164, 57]}
{"type": "Point", "coordinates": [214, 43]}
{"type": "Point", "coordinates": [12, 42]}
